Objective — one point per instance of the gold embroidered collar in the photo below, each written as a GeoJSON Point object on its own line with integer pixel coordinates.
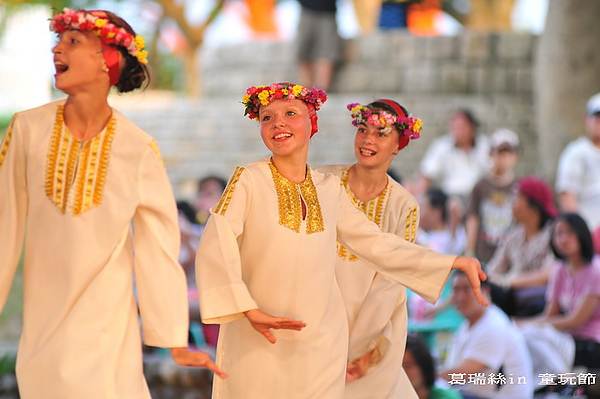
{"type": "Point", "coordinates": [374, 208]}
{"type": "Point", "coordinates": [76, 170]}
{"type": "Point", "coordinates": [289, 200]}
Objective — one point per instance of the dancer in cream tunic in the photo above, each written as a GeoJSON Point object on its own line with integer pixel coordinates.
{"type": "Point", "coordinates": [375, 305]}
{"type": "Point", "coordinates": [269, 249]}
{"type": "Point", "coordinates": [74, 194]}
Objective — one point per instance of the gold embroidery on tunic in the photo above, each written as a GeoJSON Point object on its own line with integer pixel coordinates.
{"type": "Point", "coordinates": [411, 224]}
{"type": "Point", "coordinates": [6, 141]}
{"type": "Point", "coordinates": [374, 209]}
{"type": "Point", "coordinates": [76, 170]}
{"type": "Point", "coordinates": [289, 200]}
{"type": "Point", "coordinates": [223, 204]}
{"type": "Point", "coordinates": [154, 145]}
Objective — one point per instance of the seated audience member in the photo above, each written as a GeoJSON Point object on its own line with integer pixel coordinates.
{"type": "Point", "coordinates": [435, 231]}
{"type": "Point", "coordinates": [522, 263]}
{"type": "Point", "coordinates": [573, 305]}
{"type": "Point", "coordinates": [489, 214]}
{"type": "Point", "coordinates": [486, 348]}
{"type": "Point", "coordinates": [419, 366]}
{"type": "Point", "coordinates": [210, 189]}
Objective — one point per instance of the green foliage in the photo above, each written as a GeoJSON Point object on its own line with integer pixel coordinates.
{"type": "Point", "coordinates": [4, 121]}
{"type": "Point", "coordinates": [8, 363]}
{"type": "Point", "coordinates": [168, 73]}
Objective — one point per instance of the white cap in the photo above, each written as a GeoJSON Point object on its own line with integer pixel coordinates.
{"type": "Point", "coordinates": [593, 105]}
{"type": "Point", "coordinates": [504, 137]}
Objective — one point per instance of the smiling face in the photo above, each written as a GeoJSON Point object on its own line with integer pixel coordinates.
{"type": "Point", "coordinates": [375, 146]}
{"type": "Point", "coordinates": [285, 127]}
{"type": "Point", "coordinates": [79, 62]}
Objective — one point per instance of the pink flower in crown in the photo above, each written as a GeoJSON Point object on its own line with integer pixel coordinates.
{"type": "Point", "coordinates": [373, 120]}
{"type": "Point", "coordinates": [124, 38]}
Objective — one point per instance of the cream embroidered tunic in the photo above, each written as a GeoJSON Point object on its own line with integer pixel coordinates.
{"type": "Point", "coordinates": [375, 305]}
{"type": "Point", "coordinates": [77, 201]}
{"type": "Point", "coordinates": [257, 252]}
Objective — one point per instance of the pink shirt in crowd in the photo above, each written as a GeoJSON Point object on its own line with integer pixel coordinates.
{"type": "Point", "coordinates": [569, 290]}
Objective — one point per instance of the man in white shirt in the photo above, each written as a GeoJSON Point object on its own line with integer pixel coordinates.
{"type": "Point", "coordinates": [578, 174]}
{"type": "Point", "coordinates": [488, 357]}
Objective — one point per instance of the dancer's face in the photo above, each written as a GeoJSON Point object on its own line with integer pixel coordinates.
{"type": "Point", "coordinates": [79, 62]}
{"type": "Point", "coordinates": [285, 127]}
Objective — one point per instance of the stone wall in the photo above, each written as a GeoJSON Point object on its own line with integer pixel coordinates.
{"type": "Point", "coordinates": [488, 73]}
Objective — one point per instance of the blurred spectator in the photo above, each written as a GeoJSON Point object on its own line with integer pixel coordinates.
{"type": "Point", "coordinates": [577, 182]}
{"type": "Point", "coordinates": [486, 344]}
{"type": "Point", "coordinates": [190, 234]}
{"type": "Point", "coordinates": [435, 231]}
{"type": "Point", "coordinates": [210, 189]}
{"type": "Point", "coordinates": [568, 333]}
{"type": "Point", "coordinates": [455, 162]}
{"type": "Point", "coordinates": [522, 263]}
{"type": "Point", "coordinates": [458, 160]}
{"type": "Point", "coordinates": [209, 192]}
{"type": "Point", "coordinates": [319, 43]}
{"type": "Point", "coordinates": [420, 368]}
{"type": "Point", "coordinates": [489, 214]}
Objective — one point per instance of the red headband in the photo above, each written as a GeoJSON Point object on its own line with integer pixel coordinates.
{"type": "Point", "coordinates": [112, 58]}
{"type": "Point", "coordinates": [403, 140]}
{"type": "Point", "coordinates": [314, 119]}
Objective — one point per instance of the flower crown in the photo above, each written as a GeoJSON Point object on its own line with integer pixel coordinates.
{"type": "Point", "coordinates": [370, 115]}
{"type": "Point", "coordinates": [101, 26]}
{"type": "Point", "coordinates": [263, 95]}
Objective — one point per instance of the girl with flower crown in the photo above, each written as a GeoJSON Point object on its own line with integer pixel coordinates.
{"type": "Point", "coordinates": [91, 192]}
{"type": "Point", "coordinates": [266, 261]}
{"type": "Point", "coordinates": [376, 305]}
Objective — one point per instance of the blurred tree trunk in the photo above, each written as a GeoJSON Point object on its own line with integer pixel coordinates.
{"type": "Point", "coordinates": [567, 73]}
{"type": "Point", "coordinates": [195, 38]}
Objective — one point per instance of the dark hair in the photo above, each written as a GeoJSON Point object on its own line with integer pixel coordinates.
{"type": "Point", "coordinates": [438, 199]}
{"type": "Point", "coordinates": [134, 73]}
{"type": "Point", "coordinates": [416, 345]}
{"type": "Point", "coordinates": [545, 217]}
{"type": "Point", "coordinates": [580, 227]}
{"type": "Point", "coordinates": [467, 113]}
{"type": "Point", "coordinates": [222, 182]}
{"type": "Point", "coordinates": [187, 210]}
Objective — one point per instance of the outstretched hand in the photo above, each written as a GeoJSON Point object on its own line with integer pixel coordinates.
{"type": "Point", "coordinates": [187, 358]}
{"type": "Point", "coordinates": [472, 269]}
{"type": "Point", "coordinates": [263, 322]}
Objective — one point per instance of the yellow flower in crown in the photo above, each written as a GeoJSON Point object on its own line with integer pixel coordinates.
{"type": "Point", "coordinates": [142, 56]}
{"type": "Point", "coordinates": [100, 23]}
{"type": "Point", "coordinates": [296, 90]}
{"type": "Point", "coordinates": [418, 125]}
{"type": "Point", "coordinates": [139, 42]}
{"type": "Point", "coordinates": [263, 96]}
